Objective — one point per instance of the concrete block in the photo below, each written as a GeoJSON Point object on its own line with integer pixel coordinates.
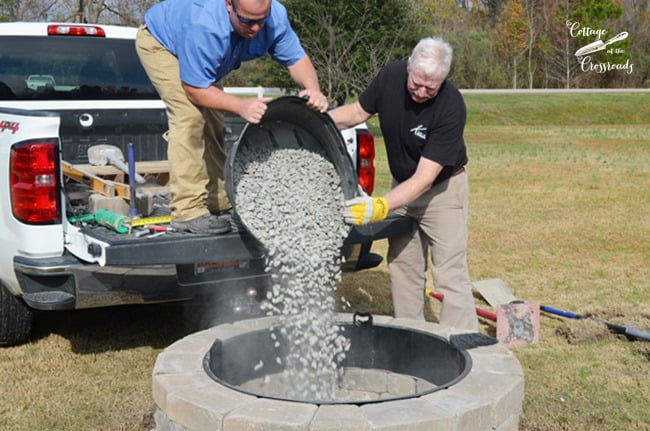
{"type": "Point", "coordinates": [492, 349]}
{"type": "Point", "coordinates": [351, 394]}
{"type": "Point", "coordinates": [339, 418]}
{"type": "Point", "coordinates": [505, 392]}
{"type": "Point", "coordinates": [497, 363]}
{"type": "Point", "coordinates": [164, 384]}
{"type": "Point", "coordinates": [510, 424]}
{"type": "Point", "coordinates": [422, 385]}
{"type": "Point", "coordinates": [199, 342]}
{"type": "Point", "coordinates": [413, 414]}
{"type": "Point", "coordinates": [360, 379]}
{"type": "Point", "coordinates": [471, 413]}
{"type": "Point", "coordinates": [114, 204]}
{"type": "Point", "coordinates": [401, 385]}
{"type": "Point", "coordinates": [203, 407]}
{"type": "Point", "coordinates": [163, 423]}
{"type": "Point", "coordinates": [173, 362]}
{"type": "Point", "coordinates": [270, 415]}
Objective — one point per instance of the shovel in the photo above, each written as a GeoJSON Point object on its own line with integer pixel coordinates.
{"type": "Point", "coordinates": [102, 155]}
{"type": "Point", "coordinates": [496, 292]}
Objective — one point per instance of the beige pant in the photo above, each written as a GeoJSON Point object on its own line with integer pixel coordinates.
{"type": "Point", "coordinates": [195, 139]}
{"type": "Point", "coordinates": [441, 225]}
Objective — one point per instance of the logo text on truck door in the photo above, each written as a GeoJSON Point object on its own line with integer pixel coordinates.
{"type": "Point", "coordinates": [9, 125]}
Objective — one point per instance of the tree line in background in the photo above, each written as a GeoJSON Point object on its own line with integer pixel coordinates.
{"type": "Point", "coordinates": [497, 43]}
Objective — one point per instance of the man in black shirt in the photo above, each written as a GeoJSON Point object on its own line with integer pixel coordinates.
{"type": "Point", "coordinates": [422, 118]}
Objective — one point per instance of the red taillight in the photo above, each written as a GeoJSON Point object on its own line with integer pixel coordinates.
{"type": "Point", "coordinates": [75, 30]}
{"type": "Point", "coordinates": [34, 182]}
{"type": "Point", "coordinates": [365, 161]}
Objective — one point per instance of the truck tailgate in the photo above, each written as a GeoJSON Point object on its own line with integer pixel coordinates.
{"type": "Point", "coordinates": [101, 245]}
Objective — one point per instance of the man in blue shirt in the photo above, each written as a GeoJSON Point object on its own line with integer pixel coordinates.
{"type": "Point", "coordinates": [186, 47]}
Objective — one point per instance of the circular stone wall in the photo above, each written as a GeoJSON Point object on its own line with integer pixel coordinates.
{"type": "Point", "coordinates": [489, 397]}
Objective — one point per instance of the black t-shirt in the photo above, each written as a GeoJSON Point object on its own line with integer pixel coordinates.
{"type": "Point", "coordinates": [433, 129]}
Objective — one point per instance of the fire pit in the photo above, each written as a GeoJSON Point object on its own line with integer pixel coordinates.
{"type": "Point", "coordinates": [397, 373]}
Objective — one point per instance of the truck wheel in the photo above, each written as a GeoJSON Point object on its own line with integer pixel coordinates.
{"type": "Point", "coordinates": [15, 319]}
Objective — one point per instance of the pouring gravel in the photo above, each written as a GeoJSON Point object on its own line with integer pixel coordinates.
{"type": "Point", "coordinates": [291, 201]}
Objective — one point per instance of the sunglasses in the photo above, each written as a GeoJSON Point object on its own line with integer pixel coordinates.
{"type": "Point", "coordinates": [248, 21]}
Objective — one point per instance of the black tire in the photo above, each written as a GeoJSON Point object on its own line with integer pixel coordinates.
{"type": "Point", "coordinates": [15, 319]}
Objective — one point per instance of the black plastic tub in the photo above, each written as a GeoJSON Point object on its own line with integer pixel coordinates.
{"type": "Point", "coordinates": [290, 123]}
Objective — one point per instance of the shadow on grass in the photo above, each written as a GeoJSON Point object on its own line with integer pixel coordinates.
{"type": "Point", "coordinates": [125, 327]}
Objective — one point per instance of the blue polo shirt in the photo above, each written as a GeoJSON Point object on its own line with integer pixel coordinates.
{"type": "Point", "coordinates": [200, 35]}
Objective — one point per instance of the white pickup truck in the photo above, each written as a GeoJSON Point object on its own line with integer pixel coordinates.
{"type": "Point", "coordinates": [64, 89]}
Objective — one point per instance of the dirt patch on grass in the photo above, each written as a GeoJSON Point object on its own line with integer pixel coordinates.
{"type": "Point", "coordinates": [594, 326]}
{"type": "Point", "coordinates": [583, 331]}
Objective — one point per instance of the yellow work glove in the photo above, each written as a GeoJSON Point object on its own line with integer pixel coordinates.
{"type": "Point", "coordinates": [365, 209]}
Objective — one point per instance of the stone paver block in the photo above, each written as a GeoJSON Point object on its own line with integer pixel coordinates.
{"type": "Point", "coordinates": [413, 414]}
{"type": "Point", "coordinates": [366, 380]}
{"type": "Point", "coordinates": [506, 392]}
{"type": "Point", "coordinates": [422, 385]}
{"type": "Point", "coordinates": [270, 415]}
{"type": "Point", "coordinates": [471, 413]}
{"type": "Point", "coordinates": [435, 328]}
{"type": "Point", "coordinates": [401, 385]}
{"type": "Point", "coordinates": [510, 424]}
{"type": "Point", "coordinates": [177, 361]}
{"type": "Point", "coordinates": [490, 350]}
{"type": "Point", "coordinates": [164, 384]}
{"type": "Point", "coordinates": [339, 418]}
{"type": "Point", "coordinates": [199, 342]}
{"type": "Point", "coordinates": [344, 394]}
{"type": "Point", "coordinates": [163, 423]}
{"type": "Point", "coordinates": [203, 408]}
{"type": "Point", "coordinates": [497, 363]}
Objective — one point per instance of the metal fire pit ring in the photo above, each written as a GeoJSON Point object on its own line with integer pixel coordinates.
{"type": "Point", "coordinates": [384, 363]}
{"type": "Point", "coordinates": [488, 397]}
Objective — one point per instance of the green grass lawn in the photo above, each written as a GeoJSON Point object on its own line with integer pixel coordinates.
{"type": "Point", "coordinates": [559, 209]}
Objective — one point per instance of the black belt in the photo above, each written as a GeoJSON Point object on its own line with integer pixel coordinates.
{"type": "Point", "coordinates": [459, 171]}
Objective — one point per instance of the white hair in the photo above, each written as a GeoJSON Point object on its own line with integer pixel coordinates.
{"type": "Point", "coordinates": [430, 55]}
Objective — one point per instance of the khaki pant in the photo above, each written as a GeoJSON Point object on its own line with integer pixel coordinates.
{"type": "Point", "coordinates": [195, 139]}
{"type": "Point", "coordinates": [441, 226]}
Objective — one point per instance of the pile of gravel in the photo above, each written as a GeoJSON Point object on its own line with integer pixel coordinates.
{"type": "Point", "coordinates": [291, 201]}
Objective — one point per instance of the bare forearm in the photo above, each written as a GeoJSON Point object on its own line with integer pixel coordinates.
{"type": "Point", "coordinates": [214, 98]}
{"type": "Point", "coordinates": [348, 115]}
{"type": "Point", "coordinates": [250, 109]}
{"type": "Point", "coordinates": [405, 193]}
{"type": "Point", "coordinates": [304, 74]}
{"type": "Point", "coordinates": [414, 187]}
